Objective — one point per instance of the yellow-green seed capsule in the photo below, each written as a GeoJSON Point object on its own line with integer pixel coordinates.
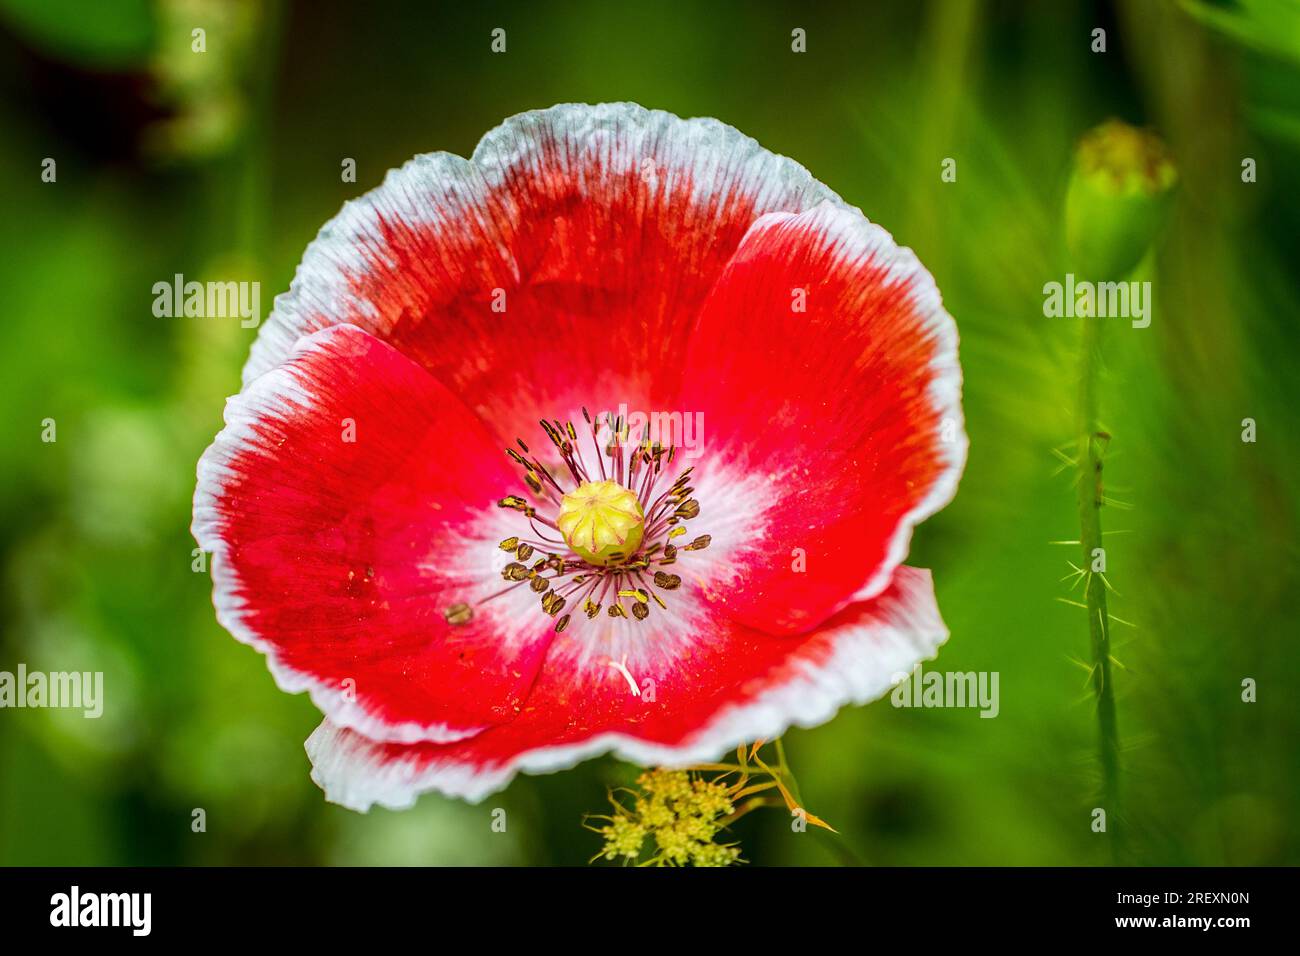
{"type": "Point", "coordinates": [601, 521]}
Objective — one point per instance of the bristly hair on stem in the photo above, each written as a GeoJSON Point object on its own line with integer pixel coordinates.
{"type": "Point", "coordinates": [1115, 205]}
{"type": "Point", "coordinates": [1092, 442]}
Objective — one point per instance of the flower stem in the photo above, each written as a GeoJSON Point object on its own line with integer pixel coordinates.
{"type": "Point", "coordinates": [1092, 442]}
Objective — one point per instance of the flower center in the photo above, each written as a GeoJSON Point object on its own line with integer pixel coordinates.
{"type": "Point", "coordinates": [599, 530]}
{"type": "Point", "coordinates": [601, 521]}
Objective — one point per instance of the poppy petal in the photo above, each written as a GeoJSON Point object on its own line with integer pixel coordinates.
{"type": "Point", "coordinates": [562, 265]}
{"type": "Point", "coordinates": [348, 504]}
{"type": "Point", "coordinates": [734, 686]}
{"type": "Point", "coordinates": [824, 362]}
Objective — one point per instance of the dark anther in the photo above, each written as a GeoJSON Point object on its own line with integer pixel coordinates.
{"type": "Point", "coordinates": [669, 582]}
{"type": "Point", "coordinates": [458, 614]}
{"type": "Point", "coordinates": [688, 509]}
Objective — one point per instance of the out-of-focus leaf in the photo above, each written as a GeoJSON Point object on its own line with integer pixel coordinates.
{"type": "Point", "coordinates": [1269, 26]}
{"type": "Point", "coordinates": [105, 35]}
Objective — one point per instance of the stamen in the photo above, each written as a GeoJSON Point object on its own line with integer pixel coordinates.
{"type": "Point", "coordinates": [597, 535]}
{"type": "Point", "coordinates": [621, 667]}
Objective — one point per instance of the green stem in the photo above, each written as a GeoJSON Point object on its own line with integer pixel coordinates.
{"type": "Point", "coordinates": [1091, 447]}
{"type": "Point", "coordinates": [786, 772]}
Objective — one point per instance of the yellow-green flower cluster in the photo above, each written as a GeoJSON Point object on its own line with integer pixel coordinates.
{"type": "Point", "coordinates": [680, 813]}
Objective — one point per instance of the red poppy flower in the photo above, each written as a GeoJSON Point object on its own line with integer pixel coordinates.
{"type": "Point", "coordinates": [440, 505]}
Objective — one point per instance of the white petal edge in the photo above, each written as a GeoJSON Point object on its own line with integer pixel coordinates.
{"type": "Point", "coordinates": [861, 667]}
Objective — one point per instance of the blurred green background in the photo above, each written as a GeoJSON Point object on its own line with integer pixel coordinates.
{"type": "Point", "coordinates": [224, 165]}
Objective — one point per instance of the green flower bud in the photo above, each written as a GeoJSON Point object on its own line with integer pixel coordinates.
{"type": "Point", "coordinates": [1117, 199]}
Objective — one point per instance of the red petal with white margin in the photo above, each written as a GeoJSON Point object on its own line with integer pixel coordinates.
{"type": "Point", "coordinates": [598, 229]}
{"type": "Point", "coordinates": [736, 685]}
{"type": "Point", "coordinates": [336, 557]}
{"type": "Point", "coordinates": [824, 362]}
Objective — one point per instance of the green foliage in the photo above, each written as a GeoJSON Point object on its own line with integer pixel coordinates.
{"type": "Point", "coordinates": [114, 35]}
